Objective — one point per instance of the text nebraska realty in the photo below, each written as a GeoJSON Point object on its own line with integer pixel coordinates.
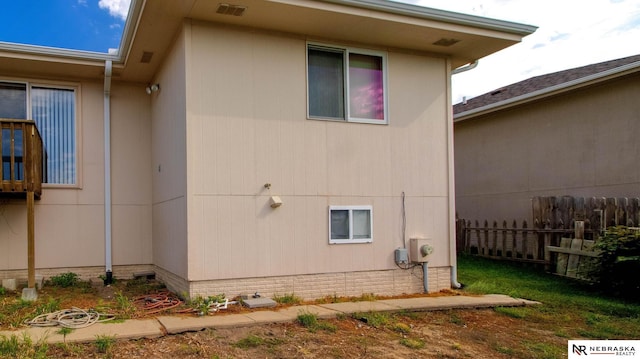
{"type": "Point", "coordinates": [611, 350]}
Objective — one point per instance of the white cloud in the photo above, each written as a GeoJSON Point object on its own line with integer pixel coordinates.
{"type": "Point", "coordinates": [570, 34]}
{"type": "Point", "coordinates": [117, 8]}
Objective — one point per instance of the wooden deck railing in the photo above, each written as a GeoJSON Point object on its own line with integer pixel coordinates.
{"type": "Point", "coordinates": [22, 155]}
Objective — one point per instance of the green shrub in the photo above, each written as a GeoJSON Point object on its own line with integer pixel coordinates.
{"type": "Point", "coordinates": [619, 261]}
{"type": "Point", "coordinates": [64, 280]}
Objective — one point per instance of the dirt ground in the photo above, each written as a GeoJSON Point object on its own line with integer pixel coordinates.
{"type": "Point", "coordinates": [447, 334]}
{"type": "Point", "coordinates": [441, 334]}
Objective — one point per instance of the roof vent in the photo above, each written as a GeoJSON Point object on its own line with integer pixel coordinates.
{"type": "Point", "coordinates": [234, 10]}
{"type": "Point", "coordinates": [446, 42]}
{"type": "Point", "coordinates": [146, 57]}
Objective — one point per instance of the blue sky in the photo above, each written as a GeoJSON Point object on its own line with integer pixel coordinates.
{"type": "Point", "coordinates": [571, 33]}
{"type": "Point", "coordinates": [89, 25]}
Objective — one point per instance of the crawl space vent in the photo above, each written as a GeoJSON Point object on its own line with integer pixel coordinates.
{"type": "Point", "coordinates": [234, 10]}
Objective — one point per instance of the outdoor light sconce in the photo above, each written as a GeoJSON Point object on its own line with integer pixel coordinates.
{"type": "Point", "coordinates": [152, 88]}
{"type": "Point", "coordinates": [274, 201]}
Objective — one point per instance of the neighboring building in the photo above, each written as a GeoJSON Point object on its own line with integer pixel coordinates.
{"type": "Point", "coordinates": [572, 132]}
{"type": "Point", "coordinates": [248, 105]}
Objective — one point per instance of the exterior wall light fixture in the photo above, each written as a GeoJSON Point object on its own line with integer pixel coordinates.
{"type": "Point", "coordinates": [152, 88]}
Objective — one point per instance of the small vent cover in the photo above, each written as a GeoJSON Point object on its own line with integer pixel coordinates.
{"type": "Point", "coordinates": [446, 42]}
{"type": "Point", "coordinates": [146, 57]}
{"type": "Point", "coordinates": [234, 10]}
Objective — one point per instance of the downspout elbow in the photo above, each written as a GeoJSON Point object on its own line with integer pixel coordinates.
{"type": "Point", "coordinates": [468, 67]}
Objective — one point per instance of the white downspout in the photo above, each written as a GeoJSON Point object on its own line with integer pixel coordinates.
{"type": "Point", "coordinates": [107, 172]}
{"type": "Point", "coordinates": [452, 184]}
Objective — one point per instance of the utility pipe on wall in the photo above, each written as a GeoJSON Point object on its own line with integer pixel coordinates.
{"type": "Point", "coordinates": [425, 276]}
{"type": "Point", "coordinates": [107, 172]}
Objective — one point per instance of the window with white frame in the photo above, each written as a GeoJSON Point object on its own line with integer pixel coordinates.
{"type": "Point", "coordinates": [350, 224]}
{"type": "Point", "coordinates": [346, 84]}
{"type": "Point", "coordinates": [53, 108]}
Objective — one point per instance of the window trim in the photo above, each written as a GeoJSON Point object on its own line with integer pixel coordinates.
{"type": "Point", "coordinates": [351, 239]}
{"type": "Point", "coordinates": [76, 87]}
{"type": "Point", "coordinates": [346, 50]}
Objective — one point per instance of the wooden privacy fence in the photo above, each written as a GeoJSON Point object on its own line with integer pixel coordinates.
{"type": "Point", "coordinates": [556, 222]}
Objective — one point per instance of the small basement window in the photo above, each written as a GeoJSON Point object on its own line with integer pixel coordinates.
{"type": "Point", "coordinates": [350, 224]}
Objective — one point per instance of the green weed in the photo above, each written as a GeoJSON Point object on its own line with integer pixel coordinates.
{"type": "Point", "coordinates": [64, 280]}
{"type": "Point", "coordinates": [374, 319]}
{"type": "Point", "coordinates": [413, 343]}
{"type": "Point", "coordinates": [288, 299]}
{"type": "Point", "coordinates": [104, 343]}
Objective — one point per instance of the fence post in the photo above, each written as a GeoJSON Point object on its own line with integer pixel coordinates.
{"type": "Point", "coordinates": [547, 243]}
{"type": "Point", "coordinates": [525, 240]}
{"type": "Point", "coordinates": [504, 239]}
{"type": "Point", "coordinates": [486, 238]}
{"type": "Point", "coordinates": [514, 242]}
{"type": "Point", "coordinates": [467, 237]}
{"type": "Point", "coordinates": [478, 237]}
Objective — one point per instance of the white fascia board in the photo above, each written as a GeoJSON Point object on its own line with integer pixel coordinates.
{"type": "Point", "coordinates": [135, 10]}
{"type": "Point", "coordinates": [440, 15]}
{"type": "Point", "coordinates": [56, 52]}
{"type": "Point", "coordinates": [549, 91]}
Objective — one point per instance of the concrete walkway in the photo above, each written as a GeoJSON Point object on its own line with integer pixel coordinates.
{"type": "Point", "coordinates": [163, 325]}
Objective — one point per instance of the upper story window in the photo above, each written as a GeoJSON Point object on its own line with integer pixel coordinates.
{"type": "Point", "coordinates": [346, 84]}
{"type": "Point", "coordinates": [54, 111]}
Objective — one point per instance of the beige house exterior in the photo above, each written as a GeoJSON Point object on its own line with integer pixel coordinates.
{"type": "Point", "coordinates": [570, 133]}
{"type": "Point", "coordinates": [180, 179]}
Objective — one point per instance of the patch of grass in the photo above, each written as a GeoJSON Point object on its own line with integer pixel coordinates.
{"type": "Point", "coordinates": [365, 297]}
{"type": "Point", "coordinates": [455, 319]}
{"type": "Point", "coordinates": [104, 343]}
{"type": "Point", "coordinates": [126, 308]}
{"type": "Point", "coordinates": [287, 299]}
{"type": "Point", "coordinates": [401, 328]}
{"type": "Point", "coordinates": [307, 320]}
{"type": "Point", "coordinates": [15, 347]}
{"type": "Point", "coordinates": [591, 313]}
{"type": "Point", "coordinates": [3, 291]}
{"type": "Point", "coordinates": [311, 322]}
{"type": "Point", "coordinates": [413, 343]}
{"type": "Point", "coordinates": [513, 312]}
{"type": "Point", "coordinates": [52, 305]}
{"type": "Point", "coordinates": [64, 280]}
{"type": "Point", "coordinates": [374, 319]}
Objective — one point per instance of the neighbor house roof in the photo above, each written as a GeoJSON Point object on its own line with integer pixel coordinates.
{"type": "Point", "coordinates": [543, 86]}
{"type": "Point", "coordinates": [152, 26]}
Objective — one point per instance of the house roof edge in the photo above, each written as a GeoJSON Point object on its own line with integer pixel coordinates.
{"type": "Point", "coordinates": [549, 91]}
{"type": "Point", "coordinates": [440, 15]}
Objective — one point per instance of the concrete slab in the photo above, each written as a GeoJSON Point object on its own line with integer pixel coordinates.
{"type": "Point", "coordinates": [130, 329]}
{"type": "Point", "coordinates": [10, 284]}
{"type": "Point", "coordinates": [259, 303]}
{"type": "Point", "coordinates": [270, 316]}
{"type": "Point", "coordinates": [321, 312]}
{"type": "Point", "coordinates": [29, 294]}
{"type": "Point", "coordinates": [356, 307]}
{"type": "Point", "coordinates": [174, 325]}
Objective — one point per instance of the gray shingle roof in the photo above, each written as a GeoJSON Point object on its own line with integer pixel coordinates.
{"type": "Point", "coordinates": [539, 83]}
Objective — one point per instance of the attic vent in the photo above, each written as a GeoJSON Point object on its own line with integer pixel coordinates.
{"type": "Point", "coordinates": [446, 42]}
{"type": "Point", "coordinates": [146, 57]}
{"type": "Point", "coordinates": [235, 10]}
